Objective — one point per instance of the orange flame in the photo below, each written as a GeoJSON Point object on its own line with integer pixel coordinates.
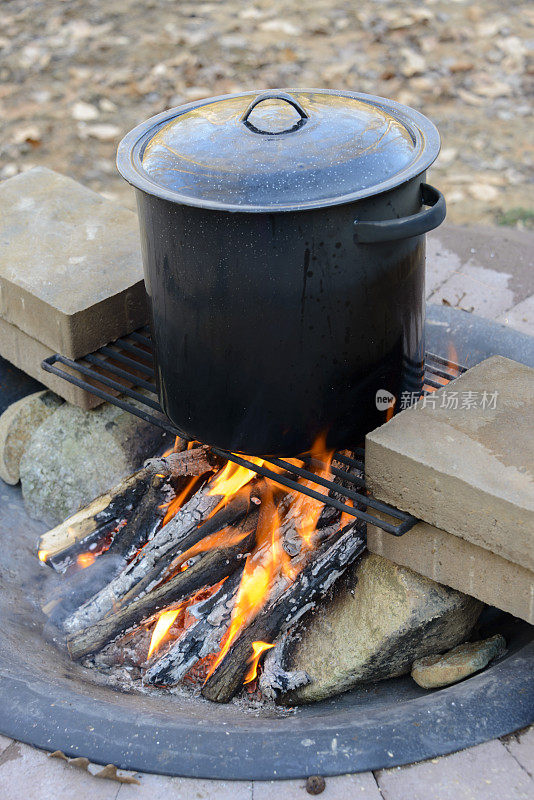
{"type": "Point", "coordinates": [258, 649]}
{"type": "Point", "coordinates": [165, 620]}
{"type": "Point", "coordinates": [306, 509]}
{"type": "Point", "coordinates": [174, 505]}
{"type": "Point", "coordinates": [224, 538]}
{"type": "Point", "coordinates": [43, 555]}
{"type": "Point", "coordinates": [85, 560]}
{"type": "Point", "coordinates": [258, 574]}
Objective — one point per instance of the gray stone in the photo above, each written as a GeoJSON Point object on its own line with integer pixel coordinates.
{"type": "Point", "coordinates": [467, 469]}
{"type": "Point", "coordinates": [17, 424]}
{"type": "Point", "coordinates": [76, 455]}
{"type": "Point", "coordinates": [431, 672]}
{"type": "Point", "coordinates": [70, 263]}
{"type": "Point", "coordinates": [374, 627]}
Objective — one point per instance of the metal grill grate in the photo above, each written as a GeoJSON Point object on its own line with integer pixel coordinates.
{"type": "Point", "coordinates": [124, 366]}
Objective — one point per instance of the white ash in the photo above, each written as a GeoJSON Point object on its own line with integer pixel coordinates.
{"type": "Point", "coordinates": [187, 518]}
{"type": "Point", "coordinates": [274, 678]}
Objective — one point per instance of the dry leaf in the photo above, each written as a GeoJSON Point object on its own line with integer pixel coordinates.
{"type": "Point", "coordinates": [80, 762]}
{"type": "Point", "coordinates": [110, 772]}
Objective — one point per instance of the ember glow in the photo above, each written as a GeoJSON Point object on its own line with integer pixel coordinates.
{"type": "Point", "coordinates": [43, 555]}
{"type": "Point", "coordinates": [85, 560]}
{"type": "Point", "coordinates": [258, 649]}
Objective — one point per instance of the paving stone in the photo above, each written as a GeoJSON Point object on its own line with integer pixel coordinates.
{"type": "Point", "coordinates": [521, 746]}
{"type": "Point", "coordinates": [28, 774]}
{"type": "Point", "coordinates": [27, 354]}
{"type": "Point", "coordinates": [17, 424]}
{"type": "Point", "coordinates": [466, 470]}
{"type": "Point", "coordinates": [484, 772]}
{"type": "Point", "coordinates": [455, 562]}
{"type": "Point", "coordinates": [444, 669]}
{"type": "Point", "coordinates": [385, 617]}
{"type": "Point", "coordinates": [340, 787]}
{"type": "Point", "coordinates": [4, 743]}
{"type": "Point", "coordinates": [480, 290]}
{"type": "Point", "coordinates": [521, 316]}
{"type": "Point", "coordinates": [501, 249]}
{"type": "Point", "coordinates": [162, 787]}
{"type": "Point", "coordinates": [70, 263]}
{"type": "Point", "coordinates": [76, 455]}
{"type": "Point", "coordinates": [441, 263]}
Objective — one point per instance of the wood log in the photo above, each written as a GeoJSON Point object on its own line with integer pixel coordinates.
{"type": "Point", "coordinates": [211, 568]}
{"type": "Point", "coordinates": [325, 567]}
{"type": "Point", "coordinates": [186, 520]}
{"type": "Point", "coordinates": [196, 461]}
{"type": "Point", "coordinates": [139, 528]}
{"type": "Point", "coordinates": [201, 639]}
{"type": "Point", "coordinates": [61, 546]}
{"type": "Point", "coordinates": [230, 515]}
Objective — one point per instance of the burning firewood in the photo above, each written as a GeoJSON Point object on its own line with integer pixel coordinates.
{"type": "Point", "coordinates": [187, 519]}
{"type": "Point", "coordinates": [196, 461]}
{"type": "Point", "coordinates": [81, 532]}
{"type": "Point", "coordinates": [235, 560]}
{"type": "Point", "coordinates": [327, 564]}
{"type": "Point", "coordinates": [210, 568]}
{"type": "Point", "coordinates": [200, 640]}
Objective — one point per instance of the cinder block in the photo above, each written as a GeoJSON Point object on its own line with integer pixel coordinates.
{"type": "Point", "coordinates": [70, 263]}
{"type": "Point", "coordinates": [457, 563]}
{"type": "Point", "coordinates": [466, 470]}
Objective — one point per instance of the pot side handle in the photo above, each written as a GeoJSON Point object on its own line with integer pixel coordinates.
{"type": "Point", "coordinates": [388, 230]}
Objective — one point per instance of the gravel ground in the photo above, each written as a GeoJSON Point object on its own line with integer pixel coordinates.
{"type": "Point", "coordinates": [76, 75]}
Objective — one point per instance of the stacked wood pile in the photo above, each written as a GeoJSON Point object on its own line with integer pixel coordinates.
{"type": "Point", "coordinates": [172, 541]}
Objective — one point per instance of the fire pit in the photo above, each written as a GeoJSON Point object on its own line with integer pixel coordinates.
{"type": "Point", "coordinates": [55, 703]}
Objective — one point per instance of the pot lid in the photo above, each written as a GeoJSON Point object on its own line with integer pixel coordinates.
{"type": "Point", "coordinates": [279, 150]}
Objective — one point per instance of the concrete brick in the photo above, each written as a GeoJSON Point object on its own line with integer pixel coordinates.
{"type": "Point", "coordinates": [27, 354]}
{"type": "Point", "coordinates": [457, 563]}
{"type": "Point", "coordinates": [469, 471]}
{"type": "Point", "coordinates": [70, 263]}
{"type": "Point", "coordinates": [485, 772]}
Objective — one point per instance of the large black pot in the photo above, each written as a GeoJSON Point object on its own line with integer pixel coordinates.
{"type": "Point", "coordinates": [284, 250]}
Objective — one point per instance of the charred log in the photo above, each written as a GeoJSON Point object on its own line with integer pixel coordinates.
{"type": "Point", "coordinates": [199, 640]}
{"type": "Point", "coordinates": [187, 519]}
{"type": "Point", "coordinates": [210, 568]}
{"type": "Point", "coordinates": [230, 515]}
{"type": "Point", "coordinates": [325, 567]}
{"type": "Point", "coordinates": [82, 531]}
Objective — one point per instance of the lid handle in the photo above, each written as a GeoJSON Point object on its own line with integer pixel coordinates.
{"type": "Point", "coordinates": [275, 95]}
